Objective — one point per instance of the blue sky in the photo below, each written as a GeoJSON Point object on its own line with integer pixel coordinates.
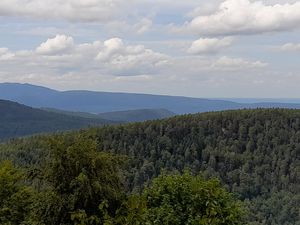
{"type": "Point", "coordinates": [216, 48]}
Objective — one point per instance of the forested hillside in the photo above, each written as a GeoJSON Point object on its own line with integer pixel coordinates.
{"type": "Point", "coordinates": [138, 115]}
{"type": "Point", "coordinates": [19, 120]}
{"type": "Point", "coordinates": [255, 154]}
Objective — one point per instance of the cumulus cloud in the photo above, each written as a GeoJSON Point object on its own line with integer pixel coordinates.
{"type": "Point", "coordinates": [71, 10]}
{"type": "Point", "coordinates": [235, 17]}
{"type": "Point", "coordinates": [209, 45]}
{"type": "Point", "coordinates": [124, 58]}
{"type": "Point", "coordinates": [61, 54]}
{"type": "Point", "coordinates": [112, 47]}
{"type": "Point", "coordinates": [57, 45]}
{"type": "Point", "coordinates": [60, 59]}
{"type": "Point", "coordinates": [114, 64]}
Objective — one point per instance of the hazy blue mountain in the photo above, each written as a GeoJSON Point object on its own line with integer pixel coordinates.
{"type": "Point", "coordinates": [20, 120]}
{"type": "Point", "coordinates": [264, 100]}
{"type": "Point", "coordinates": [71, 113]}
{"type": "Point", "coordinates": [102, 102]}
{"type": "Point", "coordinates": [138, 115]}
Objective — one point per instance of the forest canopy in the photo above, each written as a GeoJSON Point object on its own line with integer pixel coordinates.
{"type": "Point", "coordinates": [254, 153]}
{"type": "Point", "coordinates": [79, 185]}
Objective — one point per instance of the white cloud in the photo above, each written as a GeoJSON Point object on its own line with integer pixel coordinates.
{"type": "Point", "coordinates": [209, 45]}
{"type": "Point", "coordinates": [61, 54]}
{"type": "Point", "coordinates": [57, 45]}
{"type": "Point", "coordinates": [111, 47]}
{"type": "Point", "coordinates": [134, 78]}
{"type": "Point", "coordinates": [150, 60]}
{"type": "Point", "coordinates": [290, 47]}
{"type": "Point", "coordinates": [115, 65]}
{"type": "Point", "coordinates": [143, 26]}
{"type": "Point", "coordinates": [234, 17]}
{"type": "Point", "coordinates": [232, 64]}
{"type": "Point", "coordinates": [71, 10]}
{"type": "Point", "coordinates": [5, 54]}
{"type": "Point", "coordinates": [124, 58]}
{"type": "Point", "coordinates": [206, 8]}
{"type": "Point", "coordinates": [99, 11]}
{"type": "Point", "coordinates": [111, 63]}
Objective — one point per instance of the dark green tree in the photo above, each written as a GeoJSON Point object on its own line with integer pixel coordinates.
{"type": "Point", "coordinates": [78, 179]}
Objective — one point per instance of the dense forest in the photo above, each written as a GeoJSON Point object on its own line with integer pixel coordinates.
{"type": "Point", "coordinates": [254, 153]}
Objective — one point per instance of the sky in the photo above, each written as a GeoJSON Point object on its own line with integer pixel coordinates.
{"type": "Point", "coordinates": [198, 48]}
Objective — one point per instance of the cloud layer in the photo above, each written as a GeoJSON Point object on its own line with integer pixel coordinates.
{"type": "Point", "coordinates": [112, 56]}
{"type": "Point", "coordinates": [209, 45]}
{"type": "Point", "coordinates": [71, 10]}
{"type": "Point", "coordinates": [231, 64]}
{"type": "Point", "coordinates": [61, 56]}
{"type": "Point", "coordinates": [236, 17]}
{"type": "Point", "coordinates": [290, 47]}
{"type": "Point", "coordinates": [224, 47]}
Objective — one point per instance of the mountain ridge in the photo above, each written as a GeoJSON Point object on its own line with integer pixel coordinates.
{"type": "Point", "coordinates": [102, 102]}
{"type": "Point", "coordinates": [138, 115]}
{"type": "Point", "coordinates": [21, 120]}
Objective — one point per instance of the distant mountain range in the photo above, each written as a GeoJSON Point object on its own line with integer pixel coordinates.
{"type": "Point", "coordinates": [259, 100]}
{"type": "Point", "coordinates": [20, 120]}
{"type": "Point", "coordinates": [102, 102]}
{"type": "Point", "coordinates": [138, 115]}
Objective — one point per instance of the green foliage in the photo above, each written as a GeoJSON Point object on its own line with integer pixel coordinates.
{"type": "Point", "coordinates": [281, 208]}
{"type": "Point", "coordinates": [180, 200]}
{"type": "Point", "coordinates": [78, 180]}
{"type": "Point", "coordinates": [138, 115]}
{"type": "Point", "coordinates": [80, 186]}
{"type": "Point", "coordinates": [184, 199]}
{"type": "Point", "coordinates": [254, 153]}
{"type": "Point", "coordinates": [15, 196]}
